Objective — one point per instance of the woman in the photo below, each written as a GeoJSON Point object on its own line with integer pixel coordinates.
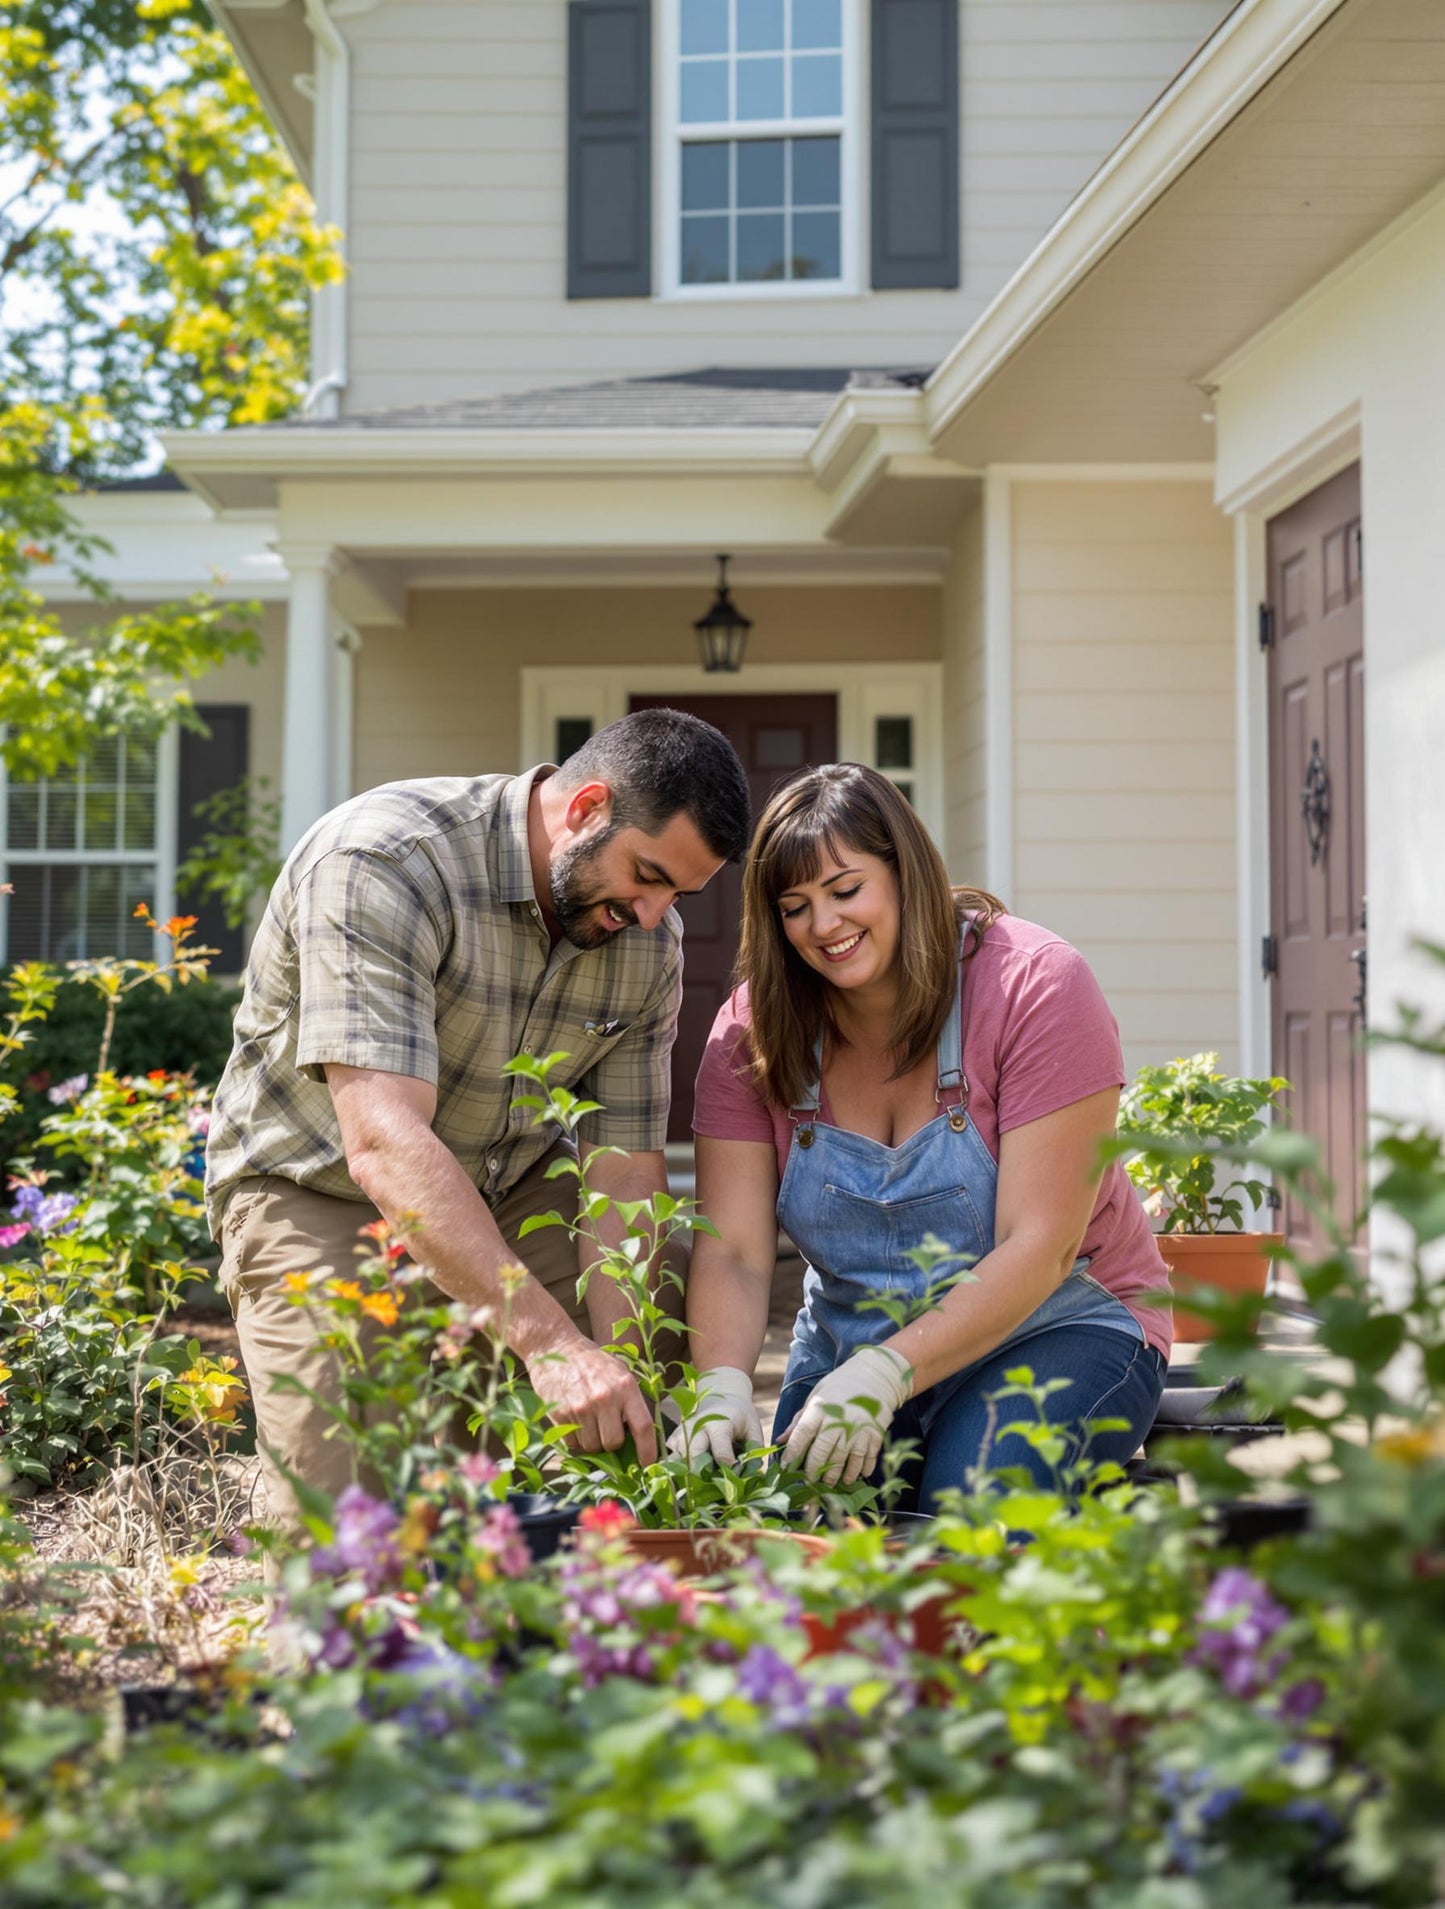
{"type": "Point", "coordinates": [903, 1059]}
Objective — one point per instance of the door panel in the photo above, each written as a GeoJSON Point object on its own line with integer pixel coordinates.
{"type": "Point", "coordinates": [774, 736]}
{"type": "Point", "coordinates": [1317, 829]}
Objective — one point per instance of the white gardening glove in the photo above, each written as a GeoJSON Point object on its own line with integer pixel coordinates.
{"type": "Point", "coordinates": [839, 1432]}
{"type": "Point", "coordinates": [724, 1412]}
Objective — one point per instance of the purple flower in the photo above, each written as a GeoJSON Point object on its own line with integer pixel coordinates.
{"type": "Point", "coordinates": [1240, 1616]}
{"type": "Point", "coordinates": [619, 1615]}
{"type": "Point", "coordinates": [1300, 1701]}
{"type": "Point", "coordinates": [44, 1212]}
{"type": "Point", "coordinates": [773, 1684]}
{"type": "Point", "coordinates": [68, 1090]}
{"type": "Point", "coordinates": [443, 1687]}
{"type": "Point", "coordinates": [363, 1541]}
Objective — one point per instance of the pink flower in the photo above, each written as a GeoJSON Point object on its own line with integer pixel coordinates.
{"type": "Point", "coordinates": [12, 1236]}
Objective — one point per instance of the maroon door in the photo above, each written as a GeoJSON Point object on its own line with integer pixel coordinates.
{"type": "Point", "coordinates": [773, 735]}
{"type": "Point", "coordinates": [1317, 830]}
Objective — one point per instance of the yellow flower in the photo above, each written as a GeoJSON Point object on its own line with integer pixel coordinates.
{"type": "Point", "coordinates": [381, 1307]}
{"type": "Point", "coordinates": [297, 1282]}
{"type": "Point", "coordinates": [1419, 1446]}
{"type": "Point", "coordinates": [10, 1826]}
{"type": "Point", "coordinates": [343, 1289]}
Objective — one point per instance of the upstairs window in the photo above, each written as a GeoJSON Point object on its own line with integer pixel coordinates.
{"type": "Point", "coordinates": [761, 194]}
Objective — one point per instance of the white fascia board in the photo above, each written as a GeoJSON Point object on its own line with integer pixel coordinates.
{"type": "Point", "coordinates": [857, 416]}
{"type": "Point", "coordinates": [358, 452]}
{"type": "Point", "coordinates": [1232, 66]}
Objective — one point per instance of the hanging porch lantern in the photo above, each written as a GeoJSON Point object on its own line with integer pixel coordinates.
{"type": "Point", "coordinates": [722, 634]}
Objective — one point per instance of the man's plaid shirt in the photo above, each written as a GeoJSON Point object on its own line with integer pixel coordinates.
{"type": "Point", "coordinates": [404, 934]}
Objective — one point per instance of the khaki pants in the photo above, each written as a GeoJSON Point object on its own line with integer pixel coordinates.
{"type": "Point", "coordinates": [271, 1227]}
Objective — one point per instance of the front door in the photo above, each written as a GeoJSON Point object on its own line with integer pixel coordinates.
{"type": "Point", "coordinates": [1317, 831]}
{"type": "Point", "coordinates": [774, 736]}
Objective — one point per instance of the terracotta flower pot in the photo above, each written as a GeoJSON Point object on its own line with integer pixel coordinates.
{"type": "Point", "coordinates": [1232, 1262]}
{"type": "Point", "coordinates": [698, 1552]}
{"type": "Point", "coordinates": [931, 1627]}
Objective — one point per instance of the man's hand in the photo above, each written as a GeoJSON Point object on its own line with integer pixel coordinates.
{"type": "Point", "coordinates": [839, 1433]}
{"type": "Point", "coordinates": [582, 1385]}
{"type": "Point", "coordinates": [724, 1412]}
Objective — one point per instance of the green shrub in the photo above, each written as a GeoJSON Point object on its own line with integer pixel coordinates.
{"type": "Point", "coordinates": [188, 1030]}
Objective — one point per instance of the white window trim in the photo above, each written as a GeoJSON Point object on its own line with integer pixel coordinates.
{"type": "Point", "coordinates": [667, 130]}
{"type": "Point", "coordinates": [163, 902]}
{"type": "Point", "coordinates": [864, 691]}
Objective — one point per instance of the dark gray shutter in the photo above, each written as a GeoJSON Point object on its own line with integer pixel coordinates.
{"type": "Point", "coordinates": [915, 144]}
{"type": "Point", "coordinates": [209, 764]}
{"type": "Point", "coordinates": [609, 148]}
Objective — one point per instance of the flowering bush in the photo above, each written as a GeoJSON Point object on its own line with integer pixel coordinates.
{"type": "Point", "coordinates": [91, 1270]}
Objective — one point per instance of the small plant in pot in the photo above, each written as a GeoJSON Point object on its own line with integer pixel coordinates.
{"type": "Point", "coordinates": [681, 1509]}
{"type": "Point", "coordinates": [1183, 1128]}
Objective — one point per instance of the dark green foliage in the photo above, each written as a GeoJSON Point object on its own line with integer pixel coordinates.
{"type": "Point", "coordinates": [188, 1030]}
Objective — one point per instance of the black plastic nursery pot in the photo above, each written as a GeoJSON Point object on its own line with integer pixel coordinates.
{"type": "Point", "coordinates": [1243, 1522]}
{"type": "Point", "coordinates": [545, 1521]}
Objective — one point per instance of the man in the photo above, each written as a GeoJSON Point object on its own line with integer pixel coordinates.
{"type": "Point", "coordinates": [418, 938]}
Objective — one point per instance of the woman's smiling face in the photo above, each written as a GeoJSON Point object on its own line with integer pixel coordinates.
{"type": "Point", "coordinates": [844, 923]}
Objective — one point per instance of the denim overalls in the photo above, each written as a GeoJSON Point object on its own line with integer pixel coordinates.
{"type": "Point", "coordinates": [856, 1209]}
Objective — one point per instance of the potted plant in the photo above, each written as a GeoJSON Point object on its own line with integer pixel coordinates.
{"type": "Point", "coordinates": [1183, 1129]}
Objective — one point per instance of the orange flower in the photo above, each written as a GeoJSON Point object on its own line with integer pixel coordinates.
{"type": "Point", "coordinates": [378, 1230]}
{"type": "Point", "coordinates": [179, 926]}
{"type": "Point", "coordinates": [157, 1075]}
{"type": "Point", "coordinates": [343, 1289]}
{"type": "Point", "coordinates": [297, 1282]}
{"type": "Point", "coordinates": [381, 1307]}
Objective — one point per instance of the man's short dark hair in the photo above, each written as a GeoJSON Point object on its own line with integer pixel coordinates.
{"type": "Point", "coordinates": [661, 763]}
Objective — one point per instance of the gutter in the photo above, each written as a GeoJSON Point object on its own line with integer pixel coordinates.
{"type": "Point", "coordinates": [332, 166]}
{"type": "Point", "coordinates": [1230, 69]}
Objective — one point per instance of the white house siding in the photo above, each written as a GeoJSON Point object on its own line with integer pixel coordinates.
{"type": "Point", "coordinates": [457, 220]}
{"type": "Point", "coordinates": [443, 696]}
{"type": "Point", "coordinates": [1366, 345]}
{"type": "Point", "coordinates": [964, 761]}
{"type": "Point", "coordinates": [1124, 756]}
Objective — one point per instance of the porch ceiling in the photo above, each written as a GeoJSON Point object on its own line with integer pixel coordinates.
{"type": "Point", "coordinates": [1345, 137]}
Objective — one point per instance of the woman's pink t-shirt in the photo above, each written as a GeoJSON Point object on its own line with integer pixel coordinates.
{"type": "Point", "coordinates": [1038, 1035]}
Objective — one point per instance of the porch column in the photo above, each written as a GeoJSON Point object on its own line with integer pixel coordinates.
{"type": "Point", "coordinates": [308, 737]}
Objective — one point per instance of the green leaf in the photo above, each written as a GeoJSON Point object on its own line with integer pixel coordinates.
{"type": "Point", "coordinates": [534, 1222]}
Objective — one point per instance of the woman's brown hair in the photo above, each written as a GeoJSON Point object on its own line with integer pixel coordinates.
{"type": "Point", "coordinates": [841, 806]}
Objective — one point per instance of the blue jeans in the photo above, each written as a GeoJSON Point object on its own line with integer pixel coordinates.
{"type": "Point", "coordinates": [1110, 1375]}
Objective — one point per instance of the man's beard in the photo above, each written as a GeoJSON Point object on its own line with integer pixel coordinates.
{"type": "Point", "coordinates": [574, 901]}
